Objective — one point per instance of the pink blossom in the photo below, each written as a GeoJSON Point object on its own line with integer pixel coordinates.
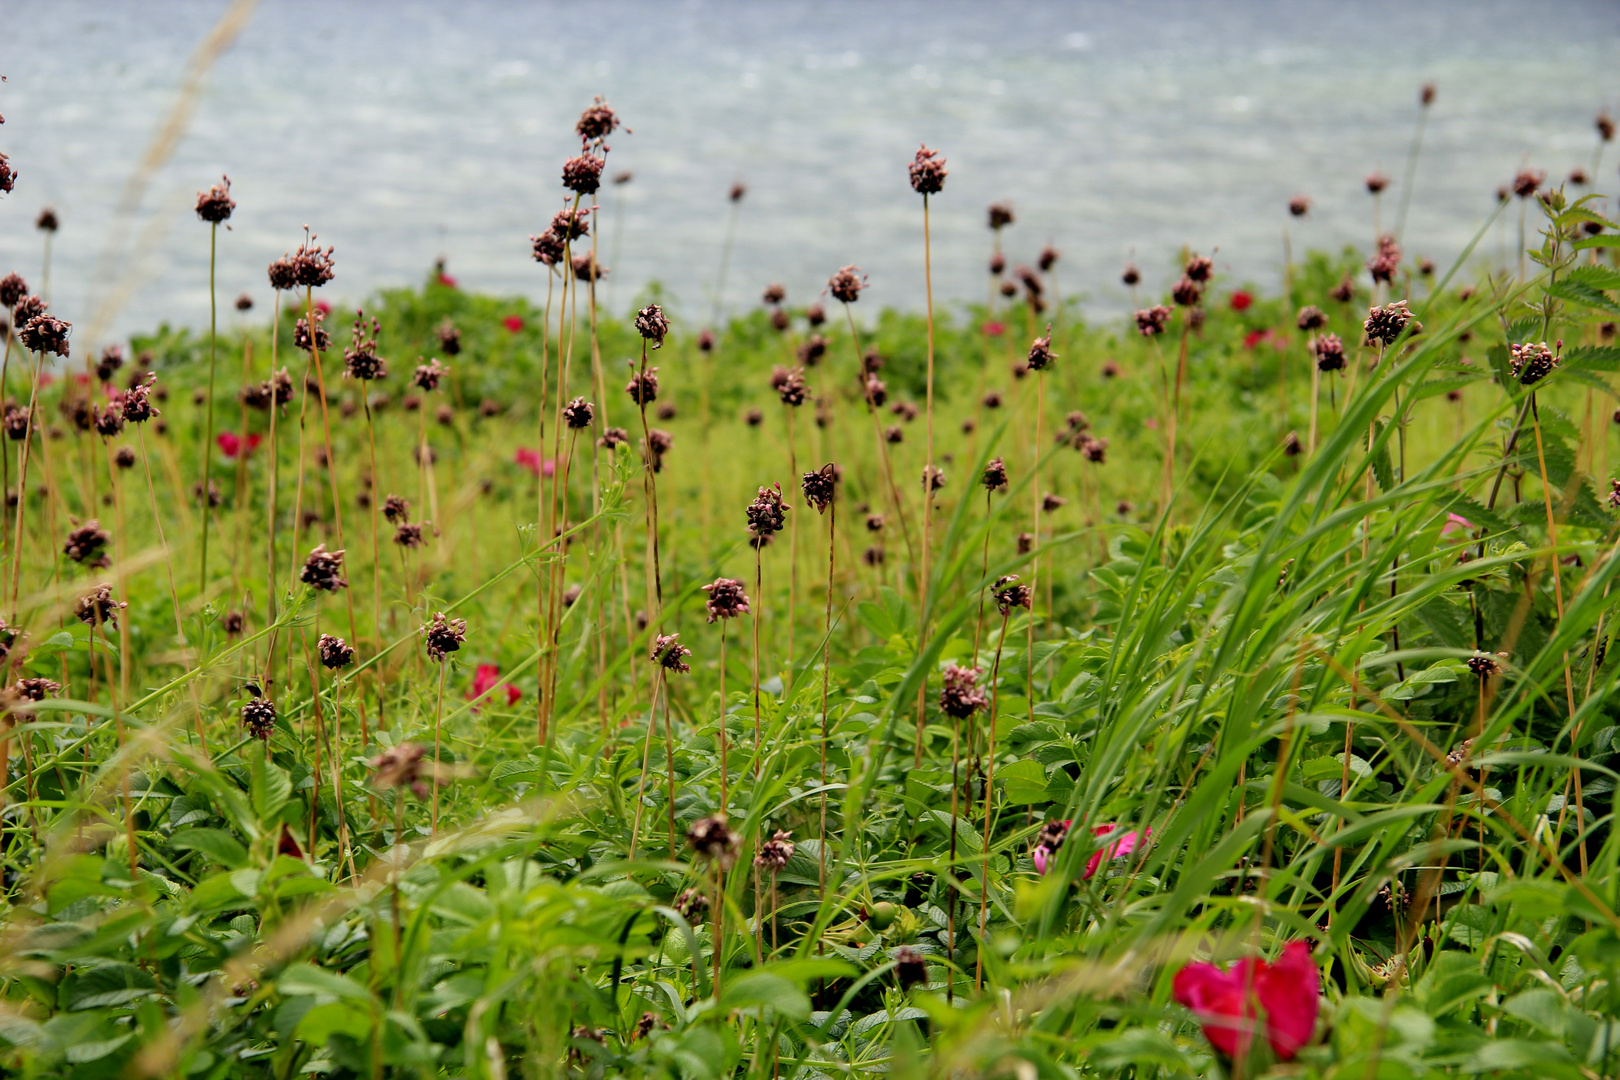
{"type": "Point", "coordinates": [1456, 523]}
{"type": "Point", "coordinates": [485, 679]}
{"type": "Point", "coordinates": [531, 460]}
{"type": "Point", "coordinates": [1241, 300]}
{"type": "Point", "coordinates": [323, 306]}
{"type": "Point", "coordinates": [447, 281]}
{"type": "Point", "coordinates": [1112, 848]}
{"type": "Point", "coordinates": [1289, 991]}
{"type": "Point", "coordinates": [514, 323]}
{"type": "Point", "coordinates": [994, 329]}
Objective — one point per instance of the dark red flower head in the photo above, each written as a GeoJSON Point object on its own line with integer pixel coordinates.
{"type": "Point", "coordinates": [1299, 205]}
{"type": "Point", "coordinates": [767, 514]}
{"type": "Point", "coordinates": [653, 325]}
{"type": "Point", "coordinates": [669, 654]}
{"type": "Point", "coordinates": [215, 204]}
{"type": "Point", "coordinates": [597, 122]}
{"type": "Point", "coordinates": [1001, 215]}
{"type": "Point", "coordinates": [846, 285]}
{"type": "Point", "coordinates": [727, 600]}
{"type": "Point", "coordinates": [582, 174]}
{"type": "Point", "coordinates": [927, 172]}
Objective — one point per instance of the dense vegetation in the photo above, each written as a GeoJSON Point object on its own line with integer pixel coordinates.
{"type": "Point", "coordinates": [1259, 651]}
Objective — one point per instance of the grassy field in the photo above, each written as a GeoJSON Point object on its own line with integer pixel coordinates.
{"type": "Point", "coordinates": [1234, 706]}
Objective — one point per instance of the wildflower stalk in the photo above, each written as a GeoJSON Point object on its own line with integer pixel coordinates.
{"type": "Point", "coordinates": [882, 446]}
{"type": "Point", "coordinates": [438, 717]}
{"type": "Point", "coordinates": [660, 683]}
{"type": "Point", "coordinates": [826, 677]}
{"type": "Point", "coordinates": [989, 795]}
{"type": "Point", "coordinates": [208, 429]}
{"type": "Point", "coordinates": [275, 470]}
{"type": "Point", "coordinates": [541, 592]}
{"type": "Point", "coordinates": [923, 581]}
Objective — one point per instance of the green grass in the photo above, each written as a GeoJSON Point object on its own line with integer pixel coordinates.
{"type": "Point", "coordinates": [1268, 674]}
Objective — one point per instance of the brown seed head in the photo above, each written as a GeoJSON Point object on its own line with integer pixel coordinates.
{"type": "Point", "coordinates": [443, 636]}
{"type": "Point", "coordinates": [401, 766]}
{"type": "Point", "coordinates": [773, 854]}
{"type": "Point", "coordinates": [259, 718]}
{"type": "Point", "coordinates": [87, 545]}
{"type": "Point", "coordinates": [821, 487]}
{"type": "Point", "coordinates": [1150, 322]}
{"type": "Point", "coordinates": [323, 570]}
{"type": "Point", "coordinates": [659, 443]}
{"type": "Point", "coordinates": [995, 475]}
{"type": "Point", "coordinates": [45, 333]}
{"type": "Point", "coordinates": [1385, 324]}
{"type": "Point", "coordinates": [12, 289]}
{"type": "Point", "coordinates": [1526, 181]}
{"type": "Point", "coordinates": [643, 386]}
{"type": "Point", "coordinates": [597, 122]}
{"type": "Point", "coordinates": [583, 174]}
{"type": "Point", "coordinates": [669, 654]}
{"type": "Point", "coordinates": [712, 839]}
{"type": "Point", "coordinates": [98, 608]}
{"type": "Point", "coordinates": [1299, 205]}
{"type": "Point", "coordinates": [1329, 353]}
{"type": "Point", "coordinates": [767, 514]}
{"type": "Point", "coordinates": [1376, 182]}
{"type": "Point", "coordinates": [579, 413]}
{"type": "Point", "coordinates": [652, 325]}
{"type": "Point", "coordinates": [213, 206]}
{"type": "Point", "coordinates": [727, 600]}
{"type": "Point", "coordinates": [927, 172]}
{"type": "Point", "coordinates": [1531, 362]}
{"type": "Point", "coordinates": [961, 696]}
{"type": "Point", "coordinates": [335, 652]}
{"type": "Point", "coordinates": [1010, 594]}
{"type": "Point", "coordinates": [1310, 318]}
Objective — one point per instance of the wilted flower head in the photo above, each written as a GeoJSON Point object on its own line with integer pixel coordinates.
{"type": "Point", "coordinates": [1526, 181]}
{"type": "Point", "coordinates": [408, 535]}
{"type": "Point", "coordinates": [87, 544]}
{"type": "Point", "coordinates": [927, 172]}
{"type": "Point", "coordinates": [1299, 205]}
{"type": "Point", "coordinates": [283, 274]}
{"type": "Point", "coordinates": [1048, 258]}
{"type": "Point", "coordinates": [1187, 292]}
{"type": "Point", "coordinates": [578, 413]}
{"type": "Point", "coordinates": [301, 338]}
{"type": "Point", "coordinates": [1010, 594]}
{"type": "Point", "coordinates": [1311, 318]}
{"type": "Point", "coordinates": [360, 359]}
{"type": "Point", "coordinates": [124, 458]}
{"type": "Point", "coordinates": [1040, 351]}
{"type": "Point", "coordinates": [1131, 275]}
{"type": "Point", "coordinates": [1094, 450]}
{"type": "Point", "coordinates": [569, 225]}
{"type": "Point", "coordinates": [812, 350]}
{"type": "Point", "coordinates": [643, 386]}
{"type": "Point", "coordinates": [111, 359]}
{"type": "Point", "coordinates": [668, 653]}
{"type": "Point", "coordinates": [401, 766]}
{"type": "Point", "coordinates": [613, 437]}
{"type": "Point", "coordinates": [443, 636]}
{"type": "Point", "coordinates": [427, 376]}
{"type": "Point", "coordinates": [1383, 265]}
{"type": "Point", "coordinates": [773, 854]}
{"type": "Point", "coordinates": [312, 267]}
{"type": "Point", "coordinates": [98, 608]}
{"type": "Point", "coordinates": [1329, 353]}
{"type": "Point", "coordinates": [846, 285]}
{"type": "Point", "coordinates": [597, 122]}
{"type": "Point", "coordinates": [821, 486]}
{"type": "Point", "coordinates": [995, 475]}
{"type": "Point", "coordinates": [767, 514]}
{"type": "Point", "coordinates": [705, 341]}
{"type": "Point", "coordinates": [789, 385]}
{"type": "Point", "coordinates": [12, 289]}
{"type": "Point", "coordinates": [335, 652]}
{"type": "Point", "coordinates": [586, 268]}
{"type": "Point", "coordinates": [582, 174]}
{"type": "Point", "coordinates": [659, 442]}
{"type": "Point", "coordinates": [109, 419]}
{"type": "Point", "coordinates": [737, 191]}
{"type": "Point", "coordinates": [1530, 362]}
{"type": "Point", "coordinates": [815, 314]}
{"type": "Point", "coordinates": [712, 839]}
{"type": "Point", "coordinates": [691, 903]}
{"type": "Point", "coordinates": [1484, 664]}
{"type": "Point", "coordinates": [259, 718]}
{"type": "Point", "coordinates": [727, 600]}
{"type": "Point", "coordinates": [215, 204]}
{"type": "Point", "coordinates": [933, 478]}
{"type": "Point", "coordinates": [137, 400]}
{"type": "Point", "coordinates": [323, 570]}
{"type": "Point", "coordinates": [910, 967]}
{"type": "Point", "coordinates": [1385, 324]}
{"type": "Point", "coordinates": [652, 324]}
{"type": "Point", "coordinates": [1376, 182]}
{"type": "Point", "coordinates": [8, 175]}
{"type": "Point", "coordinates": [961, 696]}
{"type": "Point", "coordinates": [1150, 322]}
{"type": "Point", "coordinates": [45, 333]}
{"type": "Point", "coordinates": [1199, 268]}
{"type": "Point", "coordinates": [547, 248]}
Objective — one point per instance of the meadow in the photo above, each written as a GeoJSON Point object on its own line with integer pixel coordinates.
{"type": "Point", "coordinates": [477, 686]}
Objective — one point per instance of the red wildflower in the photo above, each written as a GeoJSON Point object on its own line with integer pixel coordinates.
{"type": "Point", "coordinates": [485, 679]}
{"type": "Point", "coordinates": [514, 323]}
{"type": "Point", "coordinates": [1253, 338]}
{"type": "Point", "coordinates": [531, 460]}
{"type": "Point", "coordinates": [994, 329]}
{"type": "Point", "coordinates": [1288, 992]}
{"type": "Point", "coordinates": [323, 306]}
{"type": "Point", "coordinates": [231, 444]}
{"type": "Point", "coordinates": [447, 281]}
{"type": "Point", "coordinates": [1241, 301]}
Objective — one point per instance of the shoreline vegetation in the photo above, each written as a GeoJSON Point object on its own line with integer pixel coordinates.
{"type": "Point", "coordinates": [481, 687]}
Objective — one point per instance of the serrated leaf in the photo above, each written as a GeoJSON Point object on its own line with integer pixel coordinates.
{"type": "Point", "coordinates": [217, 844]}
{"type": "Point", "coordinates": [1577, 293]}
{"type": "Point", "coordinates": [269, 787]}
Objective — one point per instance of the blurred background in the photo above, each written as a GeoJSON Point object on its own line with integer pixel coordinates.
{"type": "Point", "coordinates": [403, 132]}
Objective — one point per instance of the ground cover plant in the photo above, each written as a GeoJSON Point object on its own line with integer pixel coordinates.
{"type": "Point", "coordinates": [468, 686]}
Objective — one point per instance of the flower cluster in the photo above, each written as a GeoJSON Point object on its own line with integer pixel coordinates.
{"type": "Point", "coordinates": [961, 696]}
{"type": "Point", "coordinates": [443, 636]}
{"type": "Point", "coordinates": [727, 600]}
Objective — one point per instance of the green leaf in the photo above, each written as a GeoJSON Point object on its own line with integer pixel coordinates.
{"type": "Point", "coordinates": [269, 786]}
{"type": "Point", "coordinates": [765, 989]}
{"type": "Point", "coordinates": [319, 983]}
{"type": "Point", "coordinates": [220, 846]}
{"type": "Point", "coordinates": [1022, 782]}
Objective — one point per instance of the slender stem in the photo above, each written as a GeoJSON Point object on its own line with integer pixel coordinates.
{"type": "Point", "coordinates": [826, 677]}
{"type": "Point", "coordinates": [989, 794]}
{"type": "Point", "coordinates": [208, 430]}
{"type": "Point", "coordinates": [438, 715]}
{"type": "Point", "coordinates": [924, 582]}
